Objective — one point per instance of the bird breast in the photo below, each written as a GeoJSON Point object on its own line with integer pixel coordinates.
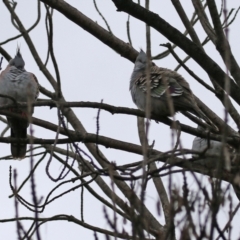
{"type": "Point", "coordinates": [21, 87]}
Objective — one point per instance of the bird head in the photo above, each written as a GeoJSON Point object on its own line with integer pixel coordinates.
{"type": "Point", "coordinates": [17, 61]}
{"type": "Point", "coordinates": [141, 62]}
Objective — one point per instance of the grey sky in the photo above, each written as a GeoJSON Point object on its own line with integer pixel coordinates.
{"type": "Point", "coordinates": [91, 71]}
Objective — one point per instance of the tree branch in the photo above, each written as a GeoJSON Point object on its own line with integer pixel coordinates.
{"type": "Point", "coordinates": [180, 40]}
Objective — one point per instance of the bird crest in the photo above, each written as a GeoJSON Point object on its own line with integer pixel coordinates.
{"type": "Point", "coordinates": [18, 49]}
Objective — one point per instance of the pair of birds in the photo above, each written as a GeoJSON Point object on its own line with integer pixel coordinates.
{"type": "Point", "coordinates": [23, 86]}
{"type": "Point", "coordinates": [162, 82]}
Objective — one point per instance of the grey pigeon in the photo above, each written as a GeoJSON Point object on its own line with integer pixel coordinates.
{"type": "Point", "coordinates": [23, 86]}
{"type": "Point", "coordinates": [161, 80]}
{"type": "Point", "coordinates": [213, 163]}
{"type": "Point", "coordinates": [214, 148]}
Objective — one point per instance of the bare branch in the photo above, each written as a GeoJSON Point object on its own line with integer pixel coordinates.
{"type": "Point", "coordinates": [177, 38]}
{"type": "Point", "coordinates": [30, 29]}
{"type": "Point", "coordinates": [103, 18]}
{"type": "Point", "coordinates": [204, 20]}
{"type": "Point", "coordinates": [222, 44]}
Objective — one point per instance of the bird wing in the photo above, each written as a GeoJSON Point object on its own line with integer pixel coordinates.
{"type": "Point", "coordinates": [4, 72]}
{"type": "Point", "coordinates": [36, 84]}
{"type": "Point", "coordinates": [27, 87]}
{"type": "Point", "coordinates": [159, 83]}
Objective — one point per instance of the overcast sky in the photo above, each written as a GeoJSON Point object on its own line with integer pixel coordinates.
{"type": "Point", "coordinates": [91, 71]}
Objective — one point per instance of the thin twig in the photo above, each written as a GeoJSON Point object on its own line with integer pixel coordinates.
{"type": "Point", "coordinates": [128, 30]}
{"type": "Point", "coordinates": [103, 18]}
{"type": "Point", "coordinates": [28, 30]}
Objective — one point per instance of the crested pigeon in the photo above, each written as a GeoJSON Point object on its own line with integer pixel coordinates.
{"type": "Point", "coordinates": [162, 80]}
{"type": "Point", "coordinates": [23, 86]}
{"type": "Point", "coordinates": [212, 163]}
{"type": "Point", "coordinates": [215, 148]}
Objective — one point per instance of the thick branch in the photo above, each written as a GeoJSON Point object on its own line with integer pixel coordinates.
{"type": "Point", "coordinates": [186, 22]}
{"type": "Point", "coordinates": [222, 44]}
{"type": "Point", "coordinates": [234, 140]}
{"type": "Point", "coordinates": [93, 28]}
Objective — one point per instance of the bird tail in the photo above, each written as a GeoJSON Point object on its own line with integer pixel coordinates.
{"type": "Point", "coordinates": [18, 131]}
{"type": "Point", "coordinates": [201, 115]}
{"type": "Point", "coordinates": [18, 149]}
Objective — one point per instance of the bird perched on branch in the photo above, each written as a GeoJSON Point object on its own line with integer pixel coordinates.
{"type": "Point", "coordinates": [217, 161]}
{"type": "Point", "coordinates": [22, 86]}
{"type": "Point", "coordinates": [212, 147]}
{"type": "Point", "coordinates": [163, 83]}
